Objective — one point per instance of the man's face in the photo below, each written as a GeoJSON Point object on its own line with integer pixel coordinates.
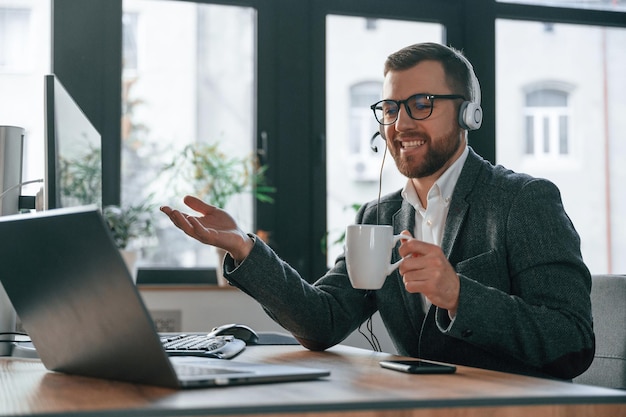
{"type": "Point", "coordinates": [423, 148]}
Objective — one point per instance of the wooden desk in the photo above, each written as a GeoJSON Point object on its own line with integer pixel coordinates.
{"type": "Point", "coordinates": [357, 387]}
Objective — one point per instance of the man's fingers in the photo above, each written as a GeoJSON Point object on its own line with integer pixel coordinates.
{"type": "Point", "coordinates": [179, 219]}
{"type": "Point", "coordinates": [197, 205]}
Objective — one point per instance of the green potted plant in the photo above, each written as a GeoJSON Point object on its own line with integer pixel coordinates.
{"type": "Point", "coordinates": [80, 177]}
{"type": "Point", "coordinates": [130, 222]}
{"type": "Point", "coordinates": [81, 184]}
{"type": "Point", "coordinates": [204, 170]}
{"type": "Point", "coordinates": [212, 175]}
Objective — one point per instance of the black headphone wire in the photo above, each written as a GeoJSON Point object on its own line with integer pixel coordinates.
{"type": "Point", "coordinates": [369, 325]}
{"type": "Point", "coordinates": [380, 179]}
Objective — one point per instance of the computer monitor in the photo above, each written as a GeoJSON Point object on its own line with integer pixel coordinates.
{"type": "Point", "coordinates": [73, 148]}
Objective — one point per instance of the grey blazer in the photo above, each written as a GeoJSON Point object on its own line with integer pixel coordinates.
{"type": "Point", "coordinates": [524, 302]}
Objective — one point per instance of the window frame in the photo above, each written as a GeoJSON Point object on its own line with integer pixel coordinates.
{"type": "Point", "coordinates": [290, 77]}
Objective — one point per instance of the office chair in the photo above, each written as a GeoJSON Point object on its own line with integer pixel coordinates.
{"type": "Point", "coordinates": [608, 304]}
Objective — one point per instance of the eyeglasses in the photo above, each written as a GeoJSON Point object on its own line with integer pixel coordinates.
{"type": "Point", "coordinates": [418, 107]}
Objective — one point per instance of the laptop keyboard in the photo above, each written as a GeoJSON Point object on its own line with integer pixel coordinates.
{"type": "Point", "coordinates": [221, 347]}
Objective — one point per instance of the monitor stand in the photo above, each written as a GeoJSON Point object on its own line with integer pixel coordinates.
{"type": "Point", "coordinates": [24, 350]}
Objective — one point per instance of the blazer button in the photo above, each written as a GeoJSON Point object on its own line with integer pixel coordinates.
{"type": "Point", "coordinates": [467, 333]}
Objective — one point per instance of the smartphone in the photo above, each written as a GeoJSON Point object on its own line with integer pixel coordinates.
{"type": "Point", "coordinates": [416, 366]}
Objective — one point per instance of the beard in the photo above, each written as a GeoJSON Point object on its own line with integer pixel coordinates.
{"type": "Point", "coordinates": [438, 154]}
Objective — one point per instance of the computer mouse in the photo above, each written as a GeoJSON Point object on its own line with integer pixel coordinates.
{"type": "Point", "coordinates": [239, 331]}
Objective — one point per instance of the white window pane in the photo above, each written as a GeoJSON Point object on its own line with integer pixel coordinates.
{"type": "Point", "coordinates": [356, 49]}
{"type": "Point", "coordinates": [14, 26]}
{"type": "Point", "coordinates": [190, 79]}
{"type": "Point", "coordinates": [580, 146]}
{"type": "Point", "coordinates": [617, 5]}
{"type": "Point", "coordinates": [24, 60]}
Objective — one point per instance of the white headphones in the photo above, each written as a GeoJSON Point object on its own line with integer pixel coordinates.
{"type": "Point", "coordinates": [470, 112]}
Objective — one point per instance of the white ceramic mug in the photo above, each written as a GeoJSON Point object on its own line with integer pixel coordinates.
{"type": "Point", "coordinates": [368, 254]}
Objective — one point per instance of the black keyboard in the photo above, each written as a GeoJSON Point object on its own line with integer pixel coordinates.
{"type": "Point", "coordinates": [221, 347]}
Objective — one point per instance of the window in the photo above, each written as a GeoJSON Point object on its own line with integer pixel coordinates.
{"type": "Point", "coordinates": [581, 4]}
{"type": "Point", "coordinates": [363, 163]}
{"type": "Point", "coordinates": [14, 28]}
{"type": "Point", "coordinates": [181, 86]}
{"type": "Point", "coordinates": [304, 71]}
{"type": "Point", "coordinates": [354, 82]}
{"type": "Point", "coordinates": [129, 39]}
{"type": "Point", "coordinates": [568, 131]}
{"type": "Point", "coordinates": [547, 122]}
{"type": "Point", "coordinates": [24, 59]}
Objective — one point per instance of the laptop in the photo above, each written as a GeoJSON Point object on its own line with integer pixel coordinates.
{"type": "Point", "coordinates": [77, 301]}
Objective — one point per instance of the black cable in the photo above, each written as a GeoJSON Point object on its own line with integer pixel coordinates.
{"type": "Point", "coordinates": [369, 325]}
{"type": "Point", "coordinates": [373, 342]}
{"type": "Point", "coordinates": [380, 184]}
{"type": "Point", "coordinates": [370, 328]}
{"type": "Point", "coordinates": [371, 338]}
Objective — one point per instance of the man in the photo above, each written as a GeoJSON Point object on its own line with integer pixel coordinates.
{"type": "Point", "coordinates": [493, 276]}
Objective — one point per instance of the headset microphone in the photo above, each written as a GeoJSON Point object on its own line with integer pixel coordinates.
{"type": "Point", "coordinates": [374, 136]}
{"type": "Point", "coordinates": [372, 146]}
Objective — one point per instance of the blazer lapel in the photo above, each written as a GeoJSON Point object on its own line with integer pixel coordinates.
{"type": "Point", "coordinates": [456, 217]}
{"type": "Point", "coordinates": [404, 219]}
{"type": "Point", "coordinates": [459, 205]}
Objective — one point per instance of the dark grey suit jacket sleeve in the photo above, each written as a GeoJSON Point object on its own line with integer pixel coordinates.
{"type": "Point", "coordinates": [524, 305]}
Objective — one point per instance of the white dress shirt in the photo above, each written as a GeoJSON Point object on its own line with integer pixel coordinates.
{"type": "Point", "coordinates": [431, 221]}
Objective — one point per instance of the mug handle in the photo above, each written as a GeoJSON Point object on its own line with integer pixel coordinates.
{"type": "Point", "coordinates": [394, 266]}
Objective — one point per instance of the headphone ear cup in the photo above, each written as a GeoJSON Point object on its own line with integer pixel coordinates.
{"type": "Point", "coordinates": [470, 115]}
